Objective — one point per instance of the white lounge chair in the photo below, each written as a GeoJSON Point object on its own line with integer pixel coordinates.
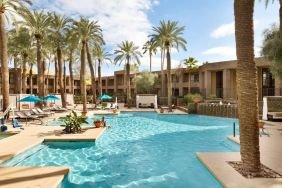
{"type": "Point", "coordinates": [108, 107]}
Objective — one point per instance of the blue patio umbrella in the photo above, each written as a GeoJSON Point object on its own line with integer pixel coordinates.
{"type": "Point", "coordinates": [31, 99]}
{"type": "Point", "coordinates": [104, 97]}
{"type": "Point", "coordinates": [51, 98]}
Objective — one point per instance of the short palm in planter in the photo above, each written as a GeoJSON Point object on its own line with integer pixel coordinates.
{"type": "Point", "coordinates": [73, 123]}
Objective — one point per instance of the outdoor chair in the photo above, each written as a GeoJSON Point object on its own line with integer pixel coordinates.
{"type": "Point", "coordinates": [35, 112]}
{"type": "Point", "coordinates": [108, 107]}
{"type": "Point", "coordinates": [43, 112]}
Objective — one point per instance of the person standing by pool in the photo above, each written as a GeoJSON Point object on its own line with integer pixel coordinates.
{"type": "Point", "coordinates": [104, 123]}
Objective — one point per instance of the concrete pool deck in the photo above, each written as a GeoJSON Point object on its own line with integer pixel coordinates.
{"type": "Point", "coordinates": [271, 156]}
{"type": "Point", "coordinates": [26, 139]}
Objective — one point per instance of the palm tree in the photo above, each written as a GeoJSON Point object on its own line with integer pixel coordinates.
{"type": "Point", "coordinates": [25, 44]}
{"type": "Point", "coordinates": [150, 47]}
{"type": "Point", "coordinates": [247, 86]}
{"type": "Point", "coordinates": [14, 51]}
{"type": "Point", "coordinates": [38, 24]}
{"type": "Point", "coordinates": [127, 52]}
{"type": "Point", "coordinates": [8, 9]}
{"type": "Point", "coordinates": [169, 33]}
{"type": "Point", "coordinates": [101, 56]}
{"type": "Point", "coordinates": [72, 43]}
{"type": "Point", "coordinates": [191, 64]}
{"type": "Point", "coordinates": [59, 25]}
{"type": "Point", "coordinates": [88, 31]}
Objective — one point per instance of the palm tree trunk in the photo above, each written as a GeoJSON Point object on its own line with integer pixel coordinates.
{"type": "Point", "coordinates": [169, 84]}
{"type": "Point", "coordinates": [280, 18]}
{"type": "Point", "coordinates": [60, 64]}
{"type": "Point", "coordinates": [92, 73]}
{"type": "Point", "coordinates": [30, 79]}
{"type": "Point", "coordinates": [16, 60]}
{"type": "Point", "coordinates": [82, 77]}
{"type": "Point", "coordinates": [189, 83]}
{"type": "Point", "coordinates": [56, 75]}
{"type": "Point", "coordinates": [247, 86]}
{"type": "Point", "coordinates": [4, 62]}
{"type": "Point", "coordinates": [150, 62]}
{"type": "Point", "coordinates": [128, 84]}
{"type": "Point", "coordinates": [65, 77]}
{"type": "Point", "coordinates": [48, 72]}
{"type": "Point", "coordinates": [100, 77]}
{"type": "Point", "coordinates": [71, 73]}
{"type": "Point", "coordinates": [40, 68]}
{"type": "Point", "coordinates": [25, 56]}
{"type": "Point", "coordinates": [162, 73]}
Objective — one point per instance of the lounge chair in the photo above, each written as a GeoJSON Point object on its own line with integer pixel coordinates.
{"type": "Point", "coordinates": [43, 112]}
{"type": "Point", "coordinates": [22, 116]}
{"type": "Point", "coordinates": [35, 112]}
{"type": "Point", "coordinates": [114, 106]}
{"type": "Point", "coordinates": [108, 107]}
{"type": "Point", "coordinates": [58, 109]}
{"type": "Point", "coordinates": [98, 107]}
{"type": "Point", "coordinates": [30, 115]}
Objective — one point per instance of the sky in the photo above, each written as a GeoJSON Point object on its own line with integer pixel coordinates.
{"type": "Point", "coordinates": [209, 24]}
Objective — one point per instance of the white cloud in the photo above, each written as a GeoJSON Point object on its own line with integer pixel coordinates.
{"type": "Point", "coordinates": [120, 19]}
{"type": "Point", "coordinates": [222, 51]}
{"type": "Point", "coordinates": [224, 30]}
{"type": "Point", "coordinates": [227, 30]}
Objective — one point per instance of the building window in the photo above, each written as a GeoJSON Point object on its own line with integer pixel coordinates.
{"type": "Point", "coordinates": [195, 77]}
{"type": "Point", "coordinates": [268, 83]}
{"type": "Point", "coordinates": [11, 78]}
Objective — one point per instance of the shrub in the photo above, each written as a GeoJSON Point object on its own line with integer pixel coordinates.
{"type": "Point", "coordinates": [193, 98]}
{"type": "Point", "coordinates": [73, 122]}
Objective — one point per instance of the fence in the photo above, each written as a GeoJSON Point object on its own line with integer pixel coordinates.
{"type": "Point", "coordinates": [221, 110]}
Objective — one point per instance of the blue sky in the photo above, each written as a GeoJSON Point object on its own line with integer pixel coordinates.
{"type": "Point", "coordinates": [209, 24]}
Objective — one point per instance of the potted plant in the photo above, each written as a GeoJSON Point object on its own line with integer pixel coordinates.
{"type": "Point", "coordinates": [114, 110]}
{"type": "Point", "coordinates": [73, 123]}
{"type": "Point", "coordinates": [98, 123]}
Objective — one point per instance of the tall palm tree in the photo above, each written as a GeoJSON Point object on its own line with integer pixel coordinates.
{"type": "Point", "coordinates": [247, 86]}
{"type": "Point", "coordinates": [72, 43]}
{"type": "Point", "coordinates": [25, 43]}
{"type": "Point", "coordinates": [150, 47]}
{"type": "Point", "coordinates": [59, 25]}
{"type": "Point", "coordinates": [88, 32]}
{"type": "Point", "coordinates": [8, 8]}
{"type": "Point", "coordinates": [14, 52]}
{"type": "Point", "coordinates": [101, 56]}
{"type": "Point", "coordinates": [170, 34]}
{"type": "Point", "coordinates": [38, 24]}
{"type": "Point", "coordinates": [191, 64]}
{"type": "Point", "coordinates": [127, 52]}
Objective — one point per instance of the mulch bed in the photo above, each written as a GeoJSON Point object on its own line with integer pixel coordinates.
{"type": "Point", "coordinates": [264, 173]}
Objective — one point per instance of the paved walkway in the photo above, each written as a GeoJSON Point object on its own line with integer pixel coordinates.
{"type": "Point", "coordinates": [271, 156]}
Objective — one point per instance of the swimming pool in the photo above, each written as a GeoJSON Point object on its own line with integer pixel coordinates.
{"type": "Point", "coordinates": [140, 150]}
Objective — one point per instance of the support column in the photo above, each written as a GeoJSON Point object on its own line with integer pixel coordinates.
{"type": "Point", "coordinates": [226, 83]}
{"type": "Point", "coordinates": [207, 83]}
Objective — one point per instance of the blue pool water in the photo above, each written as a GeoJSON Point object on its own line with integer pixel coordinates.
{"type": "Point", "coordinates": [140, 150]}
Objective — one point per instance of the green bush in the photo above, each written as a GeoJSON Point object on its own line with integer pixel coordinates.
{"type": "Point", "coordinates": [193, 98]}
{"type": "Point", "coordinates": [73, 122]}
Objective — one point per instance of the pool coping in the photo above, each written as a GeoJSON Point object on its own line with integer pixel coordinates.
{"type": "Point", "coordinates": [30, 138]}
{"type": "Point", "coordinates": [271, 154]}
